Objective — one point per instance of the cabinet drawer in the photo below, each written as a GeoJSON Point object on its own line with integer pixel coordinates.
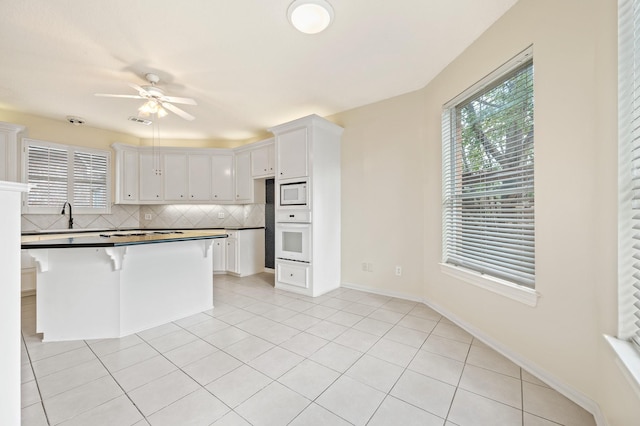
{"type": "Point", "coordinates": [301, 216]}
{"type": "Point", "coordinates": [292, 274]}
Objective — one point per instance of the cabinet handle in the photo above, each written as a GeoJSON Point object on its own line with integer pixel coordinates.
{"type": "Point", "coordinates": [215, 196]}
{"type": "Point", "coordinates": [290, 275]}
{"type": "Point", "coordinates": [157, 196]}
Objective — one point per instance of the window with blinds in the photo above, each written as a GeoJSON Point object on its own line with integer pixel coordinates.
{"type": "Point", "coordinates": [629, 170]}
{"type": "Point", "coordinates": [59, 173]}
{"type": "Point", "coordinates": [488, 185]}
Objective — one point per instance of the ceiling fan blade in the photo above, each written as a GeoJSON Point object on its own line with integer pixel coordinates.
{"type": "Point", "coordinates": [107, 95]}
{"type": "Point", "coordinates": [140, 90]}
{"type": "Point", "coordinates": [174, 109]}
{"type": "Point", "coordinates": [178, 100]}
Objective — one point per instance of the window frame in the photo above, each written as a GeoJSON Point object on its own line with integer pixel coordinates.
{"type": "Point", "coordinates": [500, 285]}
{"type": "Point", "coordinates": [625, 343]}
{"type": "Point", "coordinates": [70, 150]}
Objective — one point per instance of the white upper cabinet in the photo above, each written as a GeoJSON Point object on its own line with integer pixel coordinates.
{"type": "Point", "coordinates": [244, 180]}
{"type": "Point", "coordinates": [293, 152]}
{"type": "Point", "coordinates": [128, 185]}
{"type": "Point", "coordinates": [199, 177]}
{"type": "Point", "coordinates": [175, 177]}
{"type": "Point", "coordinates": [222, 188]}
{"type": "Point", "coordinates": [150, 177]}
{"type": "Point", "coordinates": [263, 161]}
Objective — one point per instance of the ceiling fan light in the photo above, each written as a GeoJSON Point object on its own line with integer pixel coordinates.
{"type": "Point", "coordinates": [145, 109]}
{"type": "Point", "coordinates": [162, 112]}
{"type": "Point", "coordinates": [310, 16]}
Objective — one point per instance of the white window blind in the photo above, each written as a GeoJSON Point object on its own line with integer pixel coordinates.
{"type": "Point", "coordinates": [60, 173]}
{"type": "Point", "coordinates": [488, 170]}
{"type": "Point", "coordinates": [48, 173]}
{"type": "Point", "coordinates": [629, 170]}
{"type": "Point", "coordinates": [89, 180]}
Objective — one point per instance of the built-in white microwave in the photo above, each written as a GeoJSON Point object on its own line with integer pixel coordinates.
{"type": "Point", "coordinates": [293, 194]}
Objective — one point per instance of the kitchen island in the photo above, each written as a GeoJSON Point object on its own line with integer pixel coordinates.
{"type": "Point", "coordinates": [111, 284]}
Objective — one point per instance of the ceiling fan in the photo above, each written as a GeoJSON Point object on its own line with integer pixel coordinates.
{"type": "Point", "coordinates": [156, 101]}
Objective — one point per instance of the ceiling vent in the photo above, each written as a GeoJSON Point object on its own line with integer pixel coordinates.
{"type": "Point", "coordinates": [140, 120]}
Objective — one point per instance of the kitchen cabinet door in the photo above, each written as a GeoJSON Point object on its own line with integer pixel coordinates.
{"type": "Point", "coordinates": [292, 154]}
{"type": "Point", "coordinates": [232, 255]}
{"type": "Point", "coordinates": [150, 177]}
{"type": "Point", "coordinates": [222, 178]}
{"type": "Point", "coordinates": [219, 255]}
{"type": "Point", "coordinates": [262, 161]}
{"type": "Point", "coordinates": [244, 180]}
{"type": "Point", "coordinates": [199, 175]}
{"type": "Point", "coordinates": [129, 177]}
{"type": "Point", "coordinates": [175, 177]}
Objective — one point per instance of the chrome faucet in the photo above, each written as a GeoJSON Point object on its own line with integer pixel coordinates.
{"type": "Point", "coordinates": [64, 206]}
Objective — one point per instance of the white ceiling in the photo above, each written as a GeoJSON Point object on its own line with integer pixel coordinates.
{"type": "Point", "coordinates": [243, 63]}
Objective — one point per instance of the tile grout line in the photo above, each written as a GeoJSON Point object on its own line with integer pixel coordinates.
{"type": "Point", "coordinates": [35, 378]}
{"type": "Point", "coordinates": [247, 301]}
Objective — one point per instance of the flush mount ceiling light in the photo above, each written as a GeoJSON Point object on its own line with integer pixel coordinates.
{"type": "Point", "coordinates": [310, 16]}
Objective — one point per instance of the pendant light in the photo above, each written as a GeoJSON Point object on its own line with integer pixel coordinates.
{"type": "Point", "coordinates": [310, 16]}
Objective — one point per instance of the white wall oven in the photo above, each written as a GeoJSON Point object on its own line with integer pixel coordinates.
{"type": "Point", "coordinates": [293, 241]}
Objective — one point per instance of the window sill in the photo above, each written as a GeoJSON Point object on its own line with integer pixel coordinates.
{"type": "Point", "coordinates": [504, 288]}
{"type": "Point", "coordinates": [629, 360]}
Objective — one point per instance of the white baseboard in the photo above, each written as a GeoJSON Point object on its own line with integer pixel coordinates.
{"type": "Point", "coordinates": [269, 270]}
{"type": "Point", "coordinates": [561, 387]}
{"type": "Point", "coordinates": [381, 292]}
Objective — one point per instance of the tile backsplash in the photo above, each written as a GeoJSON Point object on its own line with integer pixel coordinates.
{"type": "Point", "coordinates": [162, 216]}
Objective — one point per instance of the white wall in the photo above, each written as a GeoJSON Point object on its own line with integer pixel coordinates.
{"type": "Point", "coordinates": [392, 162]}
{"type": "Point", "coordinates": [10, 195]}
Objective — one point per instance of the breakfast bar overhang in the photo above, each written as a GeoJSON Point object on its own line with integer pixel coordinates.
{"type": "Point", "coordinates": [109, 286]}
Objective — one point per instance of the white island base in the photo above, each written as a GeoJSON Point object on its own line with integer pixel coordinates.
{"type": "Point", "coordinates": [106, 292]}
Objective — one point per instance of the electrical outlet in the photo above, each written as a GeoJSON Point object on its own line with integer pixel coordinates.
{"type": "Point", "coordinates": [221, 215]}
{"type": "Point", "coordinates": [364, 266]}
{"type": "Point", "coordinates": [399, 270]}
{"type": "Point", "coordinates": [369, 267]}
{"type": "Point", "coordinates": [147, 216]}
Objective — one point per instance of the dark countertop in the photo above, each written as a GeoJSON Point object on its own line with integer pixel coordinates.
{"type": "Point", "coordinates": [95, 230]}
{"type": "Point", "coordinates": [115, 238]}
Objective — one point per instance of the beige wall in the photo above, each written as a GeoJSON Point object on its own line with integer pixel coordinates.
{"type": "Point", "coordinates": [392, 192]}
{"type": "Point", "coordinates": [382, 199]}
{"type": "Point", "coordinates": [60, 131]}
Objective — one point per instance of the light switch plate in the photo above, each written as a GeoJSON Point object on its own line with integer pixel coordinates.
{"type": "Point", "coordinates": [221, 215]}
{"type": "Point", "coordinates": [147, 216]}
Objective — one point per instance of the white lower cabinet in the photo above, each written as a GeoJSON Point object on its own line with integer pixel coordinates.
{"type": "Point", "coordinates": [245, 252]}
{"type": "Point", "coordinates": [232, 255]}
{"type": "Point", "coordinates": [219, 256]}
{"type": "Point", "coordinates": [294, 274]}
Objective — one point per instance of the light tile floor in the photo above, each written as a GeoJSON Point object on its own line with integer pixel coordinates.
{"type": "Point", "coordinates": [267, 357]}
